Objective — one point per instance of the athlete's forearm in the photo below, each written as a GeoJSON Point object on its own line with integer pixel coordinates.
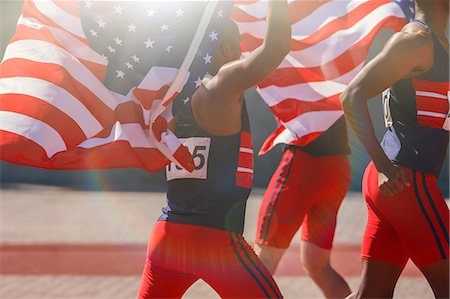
{"type": "Point", "coordinates": [278, 34]}
{"type": "Point", "coordinates": [357, 114]}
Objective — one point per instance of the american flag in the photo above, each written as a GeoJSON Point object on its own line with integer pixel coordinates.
{"type": "Point", "coordinates": [90, 84]}
{"type": "Point", "coordinates": [330, 43]}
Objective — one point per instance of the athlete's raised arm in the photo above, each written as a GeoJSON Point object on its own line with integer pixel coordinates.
{"type": "Point", "coordinates": [407, 54]}
{"type": "Point", "coordinates": [238, 75]}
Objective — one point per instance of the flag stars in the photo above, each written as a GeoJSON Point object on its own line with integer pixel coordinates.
{"type": "Point", "coordinates": [179, 12]}
{"type": "Point", "coordinates": [164, 27]}
{"type": "Point", "coordinates": [186, 100]}
{"type": "Point", "coordinates": [214, 36]}
{"type": "Point", "coordinates": [93, 32]}
{"type": "Point", "coordinates": [88, 4]}
{"type": "Point", "coordinates": [111, 49]}
{"type": "Point", "coordinates": [207, 58]}
{"type": "Point", "coordinates": [198, 82]}
{"type": "Point", "coordinates": [129, 65]}
{"type": "Point", "coordinates": [132, 28]}
{"type": "Point", "coordinates": [169, 48]}
{"type": "Point", "coordinates": [220, 13]}
{"type": "Point", "coordinates": [118, 9]}
{"type": "Point", "coordinates": [136, 59]}
{"type": "Point", "coordinates": [101, 23]}
{"type": "Point", "coordinates": [151, 12]}
{"type": "Point", "coordinates": [149, 43]}
{"type": "Point", "coordinates": [118, 41]}
{"type": "Point", "coordinates": [120, 74]}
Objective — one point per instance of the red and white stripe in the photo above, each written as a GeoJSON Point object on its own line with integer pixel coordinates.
{"type": "Point", "coordinates": [432, 103]}
{"type": "Point", "coordinates": [330, 42]}
{"type": "Point", "coordinates": [244, 171]}
{"type": "Point", "coordinates": [55, 111]}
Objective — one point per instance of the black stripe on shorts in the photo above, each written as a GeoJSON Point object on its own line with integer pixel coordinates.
{"type": "Point", "coordinates": [427, 217]}
{"type": "Point", "coordinates": [279, 193]}
{"type": "Point", "coordinates": [236, 251]}
{"type": "Point", "coordinates": [430, 199]}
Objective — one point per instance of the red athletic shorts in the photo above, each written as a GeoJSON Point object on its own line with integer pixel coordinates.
{"type": "Point", "coordinates": [180, 254]}
{"type": "Point", "coordinates": [412, 224]}
{"type": "Point", "coordinates": [304, 190]}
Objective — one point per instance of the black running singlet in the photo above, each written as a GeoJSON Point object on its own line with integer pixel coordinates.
{"type": "Point", "coordinates": [416, 112]}
{"type": "Point", "coordinates": [215, 194]}
{"type": "Point", "coordinates": [332, 142]}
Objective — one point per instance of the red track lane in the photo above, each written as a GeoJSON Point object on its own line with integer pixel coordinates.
{"type": "Point", "coordinates": [105, 259]}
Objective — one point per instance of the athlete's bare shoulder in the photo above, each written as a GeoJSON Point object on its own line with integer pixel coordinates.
{"type": "Point", "coordinates": [412, 47]}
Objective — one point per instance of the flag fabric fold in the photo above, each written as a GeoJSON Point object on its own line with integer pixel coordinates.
{"type": "Point", "coordinates": [330, 43]}
{"type": "Point", "coordinates": [90, 84]}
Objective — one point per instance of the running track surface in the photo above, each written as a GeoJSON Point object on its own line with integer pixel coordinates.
{"type": "Point", "coordinates": [111, 259]}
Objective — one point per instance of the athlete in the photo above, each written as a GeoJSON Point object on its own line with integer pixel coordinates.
{"type": "Point", "coordinates": [407, 214]}
{"type": "Point", "coordinates": [307, 190]}
{"type": "Point", "coordinates": [199, 235]}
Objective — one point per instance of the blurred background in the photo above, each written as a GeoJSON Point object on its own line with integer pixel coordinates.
{"type": "Point", "coordinates": [262, 124]}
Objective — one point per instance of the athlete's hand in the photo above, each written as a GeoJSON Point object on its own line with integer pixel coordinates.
{"type": "Point", "coordinates": [392, 180]}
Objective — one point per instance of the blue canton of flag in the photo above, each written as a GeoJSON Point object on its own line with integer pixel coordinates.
{"type": "Point", "coordinates": [408, 8]}
{"type": "Point", "coordinates": [137, 35]}
{"type": "Point", "coordinates": [156, 50]}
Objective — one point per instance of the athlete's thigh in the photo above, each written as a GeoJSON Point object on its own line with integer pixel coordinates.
{"type": "Point", "coordinates": [157, 282]}
{"type": "Point", "coordinates": [381, 241]}
{"type": "Point", "coordinates": [168, 270]}
{"type": "Point", "coordinates": [420, 216]}
{"type": "Point", "coordinates": [319, 224]}
{"type": "Point", "coordinates": [238, 273]}
{"type": "Point", "coordinates": [286, 200]}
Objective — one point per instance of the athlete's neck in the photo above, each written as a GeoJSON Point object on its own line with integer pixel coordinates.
{"type": "Point", "coordinates": [435, 15]}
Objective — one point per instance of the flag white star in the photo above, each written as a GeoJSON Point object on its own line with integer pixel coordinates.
{"type": "Point", "coordinates": [198, 82]}
{"type": "Point", "coordinates": [111, 49]}
{"type": "Point", "coordinates": [164, 27]}
{"type": "Point", "coordinates": [149, 43]}
{"type": "Point", "coordinates": [186, 100]}
{"type": "Point", "coordinates": [88, 4]}
{"type": "Point", "coordinates": [207, 58]}
{"type": "Point", "coordinates": [179, 12]}
{"type": "Point", "coordinates": [118, 41]}
{"type": "Point", "coordinates": [118, 9]}
{"type": "Point", "coordinates": [131, 27]}
{"type": "Point", "coordinates": [169, 48]}
{"type": "Point", "coordinates": [214, 36]}
{"type": "Point", "coordinates": [100, 23]}
{"type": "Point", "coordinates": [135, 58]}
{"type": "Point", "coordinates": [120, 74]}
{"type": "Point", "coordinates": [220, 13]}
{"type": "Point", "coordinates": [151, 12]}
{"type": "Point", "coordinates": [93, 32]}
{"type": "Point", "coordinates": [129, 65]}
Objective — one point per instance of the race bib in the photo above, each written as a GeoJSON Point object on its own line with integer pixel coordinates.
{"type": "Point", "coordinates": [199, 148]}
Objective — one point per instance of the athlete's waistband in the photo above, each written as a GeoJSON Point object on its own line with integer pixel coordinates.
{"type": "Point", "coordinates": [204, 223]}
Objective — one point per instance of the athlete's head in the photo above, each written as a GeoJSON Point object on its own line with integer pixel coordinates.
{"type": "Point", "coordinates": [229, 45]}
